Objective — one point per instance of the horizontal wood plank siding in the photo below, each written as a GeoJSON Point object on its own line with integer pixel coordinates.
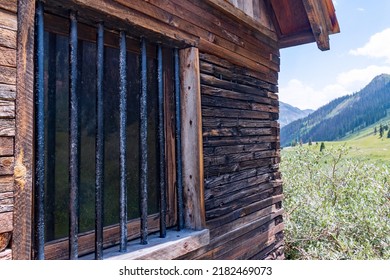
{"type": "Point", "coordinates": [8, 43]}
{"type": "Point", "coordinates": [243, 188]}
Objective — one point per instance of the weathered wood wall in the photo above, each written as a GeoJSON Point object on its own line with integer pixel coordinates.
{"type": "Point", "coordinates": [243, 190]}
{"type": "Point", "coordinates": [8, 30]}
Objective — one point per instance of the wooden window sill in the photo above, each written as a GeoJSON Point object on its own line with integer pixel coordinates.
{"type": "Point", "coordinates": [176, 244]}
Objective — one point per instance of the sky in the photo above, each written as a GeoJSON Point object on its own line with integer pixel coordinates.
{"type": "Point", "coordinates": [310, 78]}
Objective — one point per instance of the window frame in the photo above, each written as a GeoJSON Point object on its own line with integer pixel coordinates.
{"type": "Point", "coordinates": [191, 146]}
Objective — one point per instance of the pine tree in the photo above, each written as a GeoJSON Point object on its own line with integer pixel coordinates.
{"type": "Point", "coordinates": [375, 130]}
{"type": "Point", "coordinates": [310, 143]}
{"type": "Point", "coordinates": [388, 134]}
{"type": "Point", "coordinates": [381, 131]}
{"type": "Point", "coordinates": [322, 147]}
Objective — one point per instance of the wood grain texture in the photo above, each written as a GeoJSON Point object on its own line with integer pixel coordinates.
{"type": "Point", "coordinates": [6, 184]}
{"type": "Point", "coordinates": [7, 57]}
{"type": "Point", "coordinates": [8, 20]}
{"type": "Point", "coordinates": [7, 38]}
{"type": "Point", "coordinates": [4, 240]}
{"type": "Point", "coordinates": [6, 146]}
{"type": "Point", "coordinates": [8, 75]}
{"type": "Point", "coordinates": [6, 255]}
{"type": "Point", "coordinates": [6, 222]}
{"type": "Point", "coordinates": [176, 244]}
{"type": "Point", "coordinates": [7, 109]}
{"type": "Point", "coordinates": [21, 245]}
{"type": "Point", "coordinates": [7, 127]}
{"type": "Point", "coordinates": [9, 5]}
{"type": "Point", "coordinates": [7, 92]}
{"type": "Point", "coordinates": [7, 165]}
{"type": "Point", "coordinates": [192, 143]}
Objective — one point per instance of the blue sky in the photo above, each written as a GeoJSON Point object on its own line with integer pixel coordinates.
{"type": "Point", "coordinates": [310, 78]}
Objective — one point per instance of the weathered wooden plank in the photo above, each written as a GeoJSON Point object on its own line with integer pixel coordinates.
{"type": "Point", "coordinates": [221, 102]}
{"type": "Point", "coordinates": [239, 157]}
{"type": "Point", "coordinates": [167, 249]}
{"type": "Point", "coordinates": [7, 38]}
{"type": "Point", "coordinates": [221, 180]}
{"type": "Point", "coordinates": [215, 112]}
{"type": "Point", "coordinates": [4, 240]}
{"type": "Point", "coordinates": [241, 17]}
{"type": "Point", "coordinates": [265, 73]}
{"type": "Point", "coordinates": [226, 122]}
{"type": "Point", "coordinates": [6, 222]}
{"type": "Point", "coordinates": [86, 241]}
{"type": "Point", "coordinates": [231, 197]}
{"type": "Point", "coordinates": [225, 150]}
{"type": "Point", "coordinates": [137, 19]}
{"type": "Point", "coordinates": [9, 5]}
{"type": "Point", "coordinates": [7, 127]}
{"type": "Point", "coordinates": [192, 144]}
{"type": "Point", "coordinates": [241, 199]}
{"type": "Point", "coordinates": [227, 93]}
{"type": "Point", "coordinates": [243, 211]}
{"type": "Point", "coordinates": [6, 202]}
{"type": "Point", "coordinates": [7, 92]}
{"type": "Point", "coordinates": [6, 183]}
{"type": "Point", "coordinates": [21, 245]}
{"type": "Point", "coordinates": [7, 165]}
{"type": "Point", "coordinates": [250, 247]}
{"type": "Point", "coordinates": [229, 141]}
{"type": "Point", "coordinates": [228, 85]}
{"type": "Point", "coordinates": [257, 219]}
{"type": "Point", "coordinates": [8, 20]}
{"type": "Point", "coordinates": [234, 131]}
{"type": "Point", "coordinates": [238, 69]}
{"type": "Point", "coordinates": [7, 109]}
{"type": "Point", "coordinates": [189, 21]}
{"type": "Point", "coordinates": [6, 146]}
{"type": "Point", "coordinates": [263, 254]}
{"type": "Point", "coordinates": [231, 74]}
{"type": "Point", "coordinates": [316, 14]}
{"type": "Point", "coordinates": [7, 57]}
{"type": "Point", "coordinates": [6, 255]}
{"type": "Point", "coordinates": [8, 75]}
{"type": "Point", "coordinates": [214, 170]}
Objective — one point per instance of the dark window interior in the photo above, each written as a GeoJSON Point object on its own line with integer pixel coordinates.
{"type": "Point", "coordinates": [57, 133]}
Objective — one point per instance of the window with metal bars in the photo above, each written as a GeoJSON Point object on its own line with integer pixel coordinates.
{"type": "Point", "coordinates": [106, 105]}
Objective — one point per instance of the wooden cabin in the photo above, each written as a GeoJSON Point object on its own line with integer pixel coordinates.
{"type": "Point", "coordinates": [134, 129]}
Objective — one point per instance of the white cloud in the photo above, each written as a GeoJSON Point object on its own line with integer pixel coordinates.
{"type": "Point", "coordinates": [377, 46]}
{"type": "Point", "coordinates": [356, 79]}
{"type": "Point", "coordinates": [360, 9]}
{"type": "Point", "coordinates": [303, 96]}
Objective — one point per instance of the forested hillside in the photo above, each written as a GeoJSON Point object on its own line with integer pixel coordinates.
{"type": "Point", "coordinates": [343, 115]}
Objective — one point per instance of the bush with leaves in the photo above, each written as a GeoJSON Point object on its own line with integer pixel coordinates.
{"type": "Point", "coordinates": [335, 208]}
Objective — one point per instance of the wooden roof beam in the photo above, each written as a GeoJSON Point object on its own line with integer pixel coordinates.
{"type": "Point", "coordinates": [319, 22]}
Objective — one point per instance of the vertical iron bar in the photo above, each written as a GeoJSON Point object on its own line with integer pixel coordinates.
{"type": "Point", "coordinates": [161, 142]}
{"type": "Point", "coordinates": [122, 140]}
{"type": "Point", "coordinates": [51, 139]}
{"type": "Point", "coordinates": [73, 141]}
{"type": "Point", "coordinates": [99, 144]}
{"type": "Point", "coordinates": [144, 145]}
{"type": "Point", "coordinates": [179, 178]}
{"type": "Point", "coordinates": [39, 237]}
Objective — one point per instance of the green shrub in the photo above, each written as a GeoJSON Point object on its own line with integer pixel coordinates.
{"type": "Point", "coordinates": [335, 208]}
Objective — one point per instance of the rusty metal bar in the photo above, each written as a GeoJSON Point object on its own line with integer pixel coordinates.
{"type": "Point", "coordinates": [161, 142]}
{"type": "Point", "coordinates": [144, 145]}
{"type": "Point", "coordinates": [179, 168]}
{"type": "Point", "coordinates": [99, 183]}
{"type": "Point", "coordinates": [51, 139]}
{"type": "Point", "coordinates": [74, 139]}
{"type": "Point", "coordinates": [122, 140]}
{"type": "Point", "coordinates": [39, 191]}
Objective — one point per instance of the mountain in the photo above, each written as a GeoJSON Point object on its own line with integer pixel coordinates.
{"type": "Point", "coordinates": [289, 113]}
{"type": "Point", "coordinates": [342, 116]}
